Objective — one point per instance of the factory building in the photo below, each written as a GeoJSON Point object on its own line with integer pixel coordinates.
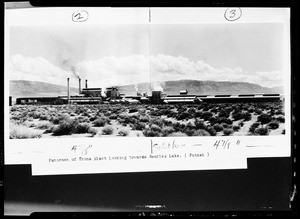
{"type": "Point", "coordinates": [134, 97]}
{"type": "Point", "coordinates": [91, 92]}
{"type": "Point", "coordinates": [112, 93]}
{"type": "Point", "coordinates": [184, 92]}
{"type": "Point", "coordinates": [94, 96]}
{"type": "Point", "coordinates": [240, 98]}
{"type": "Point", "coordinates": [85, 96]}
{"type": "Point", "coordinates": [157, 97]}
{"type": "Point", "coordinates": [182, 99]}
{"type": "Point", "coordinates": [39, 100]}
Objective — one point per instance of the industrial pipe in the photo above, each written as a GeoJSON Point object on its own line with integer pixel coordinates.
{"type": "Point", "coordinates": [68, 89]}
{"type": "Point", "coordinates": [79, 86]}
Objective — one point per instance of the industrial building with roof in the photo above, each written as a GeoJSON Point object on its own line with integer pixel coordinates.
{"type": "Point", "coordinates": [94, 96]}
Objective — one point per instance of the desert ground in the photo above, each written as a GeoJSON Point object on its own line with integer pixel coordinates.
{"type": "Point", "coordinates": [117, 120]}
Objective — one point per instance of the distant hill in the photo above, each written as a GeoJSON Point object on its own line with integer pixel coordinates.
{"type": "Point", "coordinates": [202, 87]}
{"type": "Point", "coordinates": [23, 88]}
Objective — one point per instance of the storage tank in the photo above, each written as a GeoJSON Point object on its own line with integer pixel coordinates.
{"type": "Point", "coordinates": [156, 97]}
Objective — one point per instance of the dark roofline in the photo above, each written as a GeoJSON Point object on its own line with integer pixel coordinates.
{"type": "Point", "coordinates": [35, 98]}
{"type": "Point", "coordinates": [92, 89]}
{"type": "Point", "coordinates": [111, 88]}
{"type": "Point", "coordinates": [180, 95]}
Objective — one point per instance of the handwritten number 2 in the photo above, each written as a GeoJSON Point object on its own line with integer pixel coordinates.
{"type": "Point", "coordinates": [79, 16]}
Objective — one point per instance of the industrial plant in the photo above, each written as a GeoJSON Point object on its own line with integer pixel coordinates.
{"type": "Point", "coordinates": [111, 95]}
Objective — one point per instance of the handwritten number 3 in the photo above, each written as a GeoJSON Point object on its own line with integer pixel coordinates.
{"type": "Point", "coordinates": [232, 14]}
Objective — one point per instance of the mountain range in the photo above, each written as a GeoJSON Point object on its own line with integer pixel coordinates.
{"type": "Point", "coordinates": [200, 87]}
{"type": "Point", "coordinates": [24, 88]}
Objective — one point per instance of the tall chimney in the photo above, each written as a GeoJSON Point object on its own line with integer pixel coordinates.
{"type": "Point", "coordinates": [79, 86]}
{"type": "Point", "coordinates": [68, 88]}
{"type": "Point", "coordinates": [86, 83]}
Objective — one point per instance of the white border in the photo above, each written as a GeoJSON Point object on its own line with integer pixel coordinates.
{"type": "Point", "coordinates": [278, 146]}
{"type": "Point", "coordinates": [216, 15]}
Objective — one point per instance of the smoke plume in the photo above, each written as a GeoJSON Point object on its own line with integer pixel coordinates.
{"type": "Point", "coordinates": [157, 86]}
{"type": "Point", "coordinates": [74, 71]}
{"type": "Point", "coordinates": [66, 57]}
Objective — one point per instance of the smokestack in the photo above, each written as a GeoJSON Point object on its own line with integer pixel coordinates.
{"type": "Point", "coordinates": [68, 88]}
{"type": "Point", "coordinates": [86, 83]}
{"type": "Point", "coordinates": [79, 86]}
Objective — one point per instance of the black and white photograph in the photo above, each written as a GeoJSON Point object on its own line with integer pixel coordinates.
{"type": "Point", "coordinates": [146, 80]}
{"type": "Point", "coordinates": [154, 109]}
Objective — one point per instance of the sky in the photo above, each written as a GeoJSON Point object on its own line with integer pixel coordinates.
{"type": "Point", "coordinates": [120, 54]}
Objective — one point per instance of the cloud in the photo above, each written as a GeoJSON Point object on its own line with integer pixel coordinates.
{"type": "Point", "coordinates": [134, 69]}
{"type": "Point", "coordinates": [165, 67]}
{"type": "Point", "coordinates": [110, 71]}
{"type": "Point", "coordinates": [38, 69]}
